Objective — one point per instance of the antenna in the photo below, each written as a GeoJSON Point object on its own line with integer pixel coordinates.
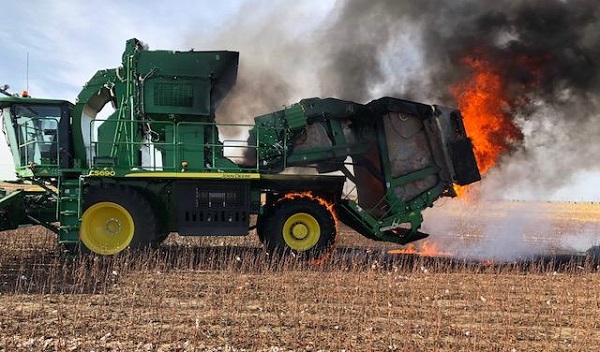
{"type": "Point", "coordinates": [27, 72]}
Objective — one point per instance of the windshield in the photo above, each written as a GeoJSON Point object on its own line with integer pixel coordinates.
{"type": "Point", "coordinates": [38, 133]}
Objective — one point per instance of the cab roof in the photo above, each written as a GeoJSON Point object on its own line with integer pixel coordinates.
{"type": "Point", "coordinates": [5, 100]}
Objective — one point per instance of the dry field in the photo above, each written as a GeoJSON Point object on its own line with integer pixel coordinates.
{"type": "Point", "coordinates": [226, 294]}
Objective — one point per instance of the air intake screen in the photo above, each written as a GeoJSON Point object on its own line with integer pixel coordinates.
{"type": "Point", "coordinates": [174, 94]}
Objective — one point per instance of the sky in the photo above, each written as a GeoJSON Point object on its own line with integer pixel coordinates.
{"type": "Point", "coordinates": [67, 41]}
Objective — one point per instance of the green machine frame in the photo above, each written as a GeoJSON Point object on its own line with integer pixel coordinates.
{"type": "Point", "coordinates": [163, 141]}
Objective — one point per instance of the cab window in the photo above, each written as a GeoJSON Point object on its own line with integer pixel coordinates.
{"type": "Point", "coordinates": [38, 133]}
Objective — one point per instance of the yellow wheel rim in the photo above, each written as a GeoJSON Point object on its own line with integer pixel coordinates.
{"type": "Point", "coordinates": [301, 232]}
{"type": "Point", "coordinates": [106, 228]}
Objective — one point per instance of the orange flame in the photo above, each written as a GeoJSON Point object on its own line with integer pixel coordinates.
{"type": "Point", "coordinates": [486, 109]}
{"type": "Point", "coordinates": [425, 248]}
{"type": "Point", "coordinates": [329, 206]}
{"type": "Point", "coordinates": [487, 262]}
{"type": "Point", "coordinates": [460, 190]}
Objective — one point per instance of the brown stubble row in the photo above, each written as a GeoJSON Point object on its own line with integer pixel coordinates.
{"type": "Point", "coordinates": [199, 295]}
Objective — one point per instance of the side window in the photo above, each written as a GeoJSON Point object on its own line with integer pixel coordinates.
{"type": "Point", "coordinates": [38, 133]}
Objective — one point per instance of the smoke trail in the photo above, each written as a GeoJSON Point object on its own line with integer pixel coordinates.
{"type": "Point", "coordinates": [505, 231]}
{"type": "Point", "coordinates": [277, 56]}
{"type": "Point", "coordinates": [552, 41]}
{"type": "Point", "coordinates": [515, 230]}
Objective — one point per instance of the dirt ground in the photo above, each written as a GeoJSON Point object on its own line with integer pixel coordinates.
{"type": "Point", "coordinates": [226, 294]}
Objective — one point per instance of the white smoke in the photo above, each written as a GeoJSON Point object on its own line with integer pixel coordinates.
{"type": "Point", "coordinates": [507, 231]}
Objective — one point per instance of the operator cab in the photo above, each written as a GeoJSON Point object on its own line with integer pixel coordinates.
{"type": "Point", "coordinates": [38, 133]}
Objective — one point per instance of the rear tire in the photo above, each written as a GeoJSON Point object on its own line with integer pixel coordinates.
{"type": "Point", "coordinates": [114, 219]}
{"type": "Point", "coordinates": [301, 226]}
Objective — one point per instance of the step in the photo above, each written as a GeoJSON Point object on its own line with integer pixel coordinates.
{"type": "Point", "coordinates": [70, 182]}
{"type": "Point", "coordinates": [68, 212]}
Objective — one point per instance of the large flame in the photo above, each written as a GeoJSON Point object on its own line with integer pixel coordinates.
{"type": "Point", "coordinates": [486, 110]}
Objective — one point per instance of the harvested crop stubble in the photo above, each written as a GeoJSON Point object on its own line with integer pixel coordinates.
{"type": "Point", "coordinates": [174, 300]}
{"type": "Point", "coordinates": [222, 294]}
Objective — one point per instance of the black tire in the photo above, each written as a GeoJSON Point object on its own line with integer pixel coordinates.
{"type": "Point", "coordinates": [116, 218]}
{"type": "Point", "coordinates": [299, 225]}
{"type": "Point", "coordinates": [158, 240]}
{"type": "Point", "coordinates": [261, 223]}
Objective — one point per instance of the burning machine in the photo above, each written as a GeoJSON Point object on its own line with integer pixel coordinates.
{"type": "Point", "coordinates": [156, 164]}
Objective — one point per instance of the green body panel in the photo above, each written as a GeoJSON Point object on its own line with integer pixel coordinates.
{"type": "Point", "coordinates": [150, 90]}
{"type": "Point", "coordinates": [162, 141]}
{"type": "Point", "coordinates": [191, 149]}
{"type": "Point", "coordinates": [272, 131]}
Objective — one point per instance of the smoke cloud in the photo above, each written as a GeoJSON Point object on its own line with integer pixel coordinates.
{"type": "Point", "coordinates": [277, 57]}
{"type": "Point", "coordinates": [546, 51]}
{"type": "Point", "coordinates": [504, 231]}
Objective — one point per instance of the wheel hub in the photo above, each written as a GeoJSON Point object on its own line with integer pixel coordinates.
{"type": "Point", "coordinates": [299, 231]}
{"type": "Point", "coordinates": [113, 226]}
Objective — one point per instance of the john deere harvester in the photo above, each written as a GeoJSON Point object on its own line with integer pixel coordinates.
{"type": "Point", "coordinates": [156, 165]}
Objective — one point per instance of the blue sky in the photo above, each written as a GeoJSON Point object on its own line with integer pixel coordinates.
{"type": "Point", "coordinates": [68, 40]}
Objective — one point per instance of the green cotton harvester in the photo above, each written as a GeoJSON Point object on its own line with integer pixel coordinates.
{"type": "Point", "coordinates": [156, 165]}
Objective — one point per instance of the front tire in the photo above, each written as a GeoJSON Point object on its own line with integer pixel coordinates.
{"type": "Point", "coordinates": [299, 225]}
{"type": "Point", "coordinates": [116, 218]}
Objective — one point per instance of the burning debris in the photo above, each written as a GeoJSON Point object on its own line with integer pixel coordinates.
{"type": "Point", "coordinates": [424, 248]}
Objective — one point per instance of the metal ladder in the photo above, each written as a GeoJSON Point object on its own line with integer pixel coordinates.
{"type": "Point", "coordinates": [69, 205]}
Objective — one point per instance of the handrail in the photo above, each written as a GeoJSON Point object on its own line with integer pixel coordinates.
{"type": "Point", "coordinates": [153, 152]}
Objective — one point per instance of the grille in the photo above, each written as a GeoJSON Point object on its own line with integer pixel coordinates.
{"type": "Point", "coordinates": [212, 208]}
{"type": "Point", "coordinates": [174, 94]}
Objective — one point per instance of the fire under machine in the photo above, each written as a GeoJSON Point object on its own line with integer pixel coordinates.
{"type": "Point", "coordinates": [156, 165]}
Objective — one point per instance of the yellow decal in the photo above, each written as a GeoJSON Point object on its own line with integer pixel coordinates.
{"type": "Point", "coordinates": [102, 173]}
{"type": "Point", "coordinates": [212, 175]}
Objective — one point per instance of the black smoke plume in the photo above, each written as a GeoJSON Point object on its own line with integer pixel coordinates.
{"type": "Point", "coordinates": [548, 52]}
